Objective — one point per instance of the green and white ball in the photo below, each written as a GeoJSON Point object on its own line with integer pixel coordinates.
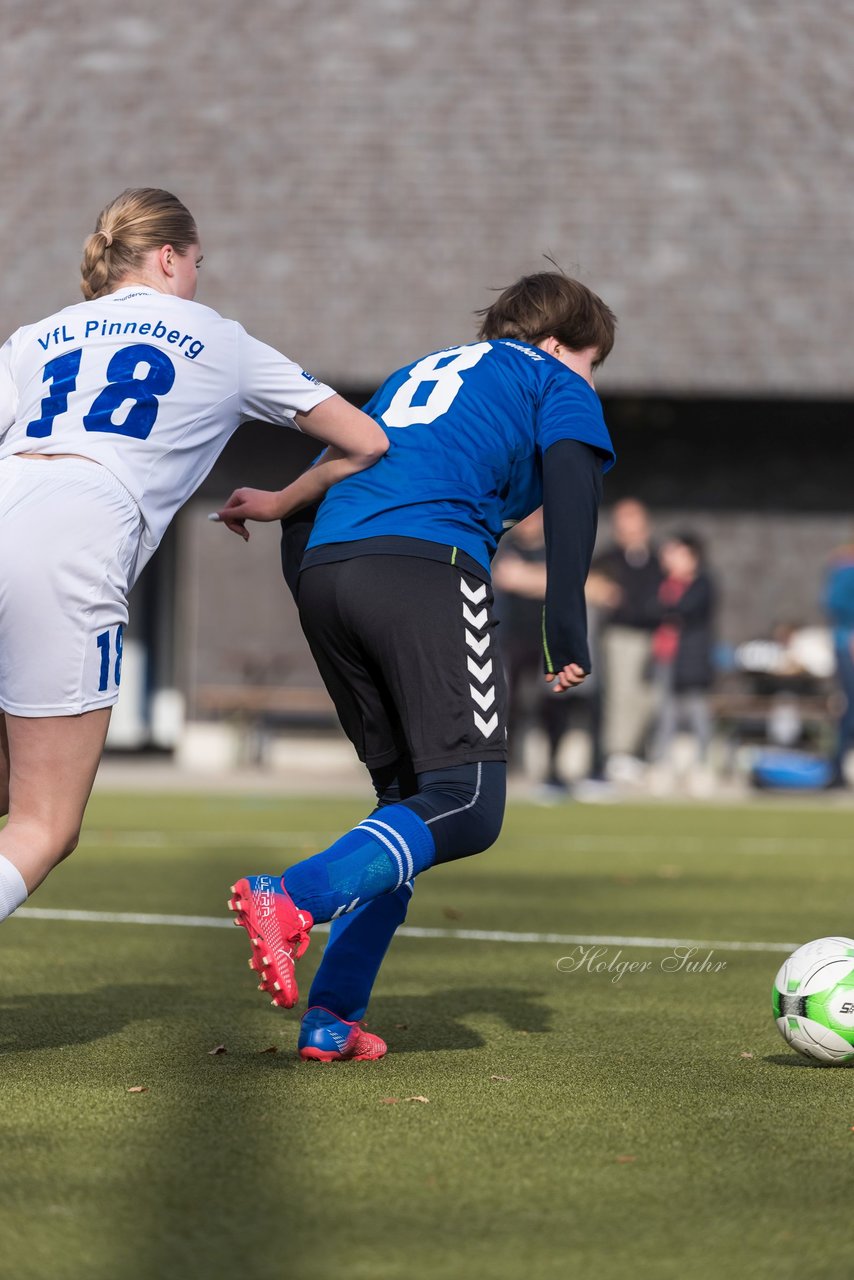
{"type": "Point", "coordinates": [813, 1000]}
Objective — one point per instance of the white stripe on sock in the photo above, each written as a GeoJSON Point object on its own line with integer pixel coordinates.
{"type": "Point", "coordinates": [379, 836]}
{"type": "Point", "coordinates": [407, 853]}
{"type": "Point", "coordinates": [343, 911]}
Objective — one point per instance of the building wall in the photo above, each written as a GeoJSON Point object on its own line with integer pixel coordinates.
{"type": "Point", "coordinates": [364, 175]}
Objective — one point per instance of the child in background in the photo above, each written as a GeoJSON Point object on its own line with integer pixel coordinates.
{"type": "Point", "coordinates": [682, 646]}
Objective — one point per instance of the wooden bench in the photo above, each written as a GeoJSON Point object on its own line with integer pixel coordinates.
{"type": "Point", "coordinates": [255, 700]}
{"type": "Point", "coordinates": [257, 711]}
{"type": "Point", "coordinates": [814, 709]}
{"type": "Point", "coordinates": [747, 719]}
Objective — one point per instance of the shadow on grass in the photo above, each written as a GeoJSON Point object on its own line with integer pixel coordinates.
{"type": "Point", "coordinates": [789, 1060]}
{"type": "Point", "coordinates": [45, 1021]}
{"type": "Point", "coordinates": [410, 1024]}
{"type": "Point", "coordinates": [413, 1024]}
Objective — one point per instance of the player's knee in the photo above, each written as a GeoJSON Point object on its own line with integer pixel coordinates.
{"type": "Point", "coordinates": [68, 844]}
{"type": "Point", "coordinates": [489, 821]}
{"type": "Point", "coordinates": [488, 828]}
{"type": "Point", "coordinates": [49, 841]}
{"type": "Point", "coordinates": [464, 807]}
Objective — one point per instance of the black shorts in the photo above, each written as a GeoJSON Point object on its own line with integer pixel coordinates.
{"type": "Point", "coordinates": [406, 647]}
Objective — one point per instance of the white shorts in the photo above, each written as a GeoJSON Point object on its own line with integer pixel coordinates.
{"type": "Point", "coordinates": [69, 533]}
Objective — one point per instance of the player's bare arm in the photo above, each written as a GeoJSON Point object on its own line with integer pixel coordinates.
{"type": "Point", "coordinates": [355, 442]}
{"type": "Point", "coordinates": [275, 504]}
{"type": "Point", "coordinates": [338, 423]}
{"type": "Point", "coordinates": [265, 505]}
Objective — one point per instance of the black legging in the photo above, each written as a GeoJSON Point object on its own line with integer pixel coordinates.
{"type": "Point", "coordinates": [463, 805]}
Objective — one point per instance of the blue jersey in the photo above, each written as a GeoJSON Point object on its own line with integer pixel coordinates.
{"type": "Point", "coordinates": [468, 428]}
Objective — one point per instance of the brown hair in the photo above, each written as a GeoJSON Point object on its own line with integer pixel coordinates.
{"type": "Point", "coordinates": [140, 219]}
{"type": "Point", "coordinates": [551, 305]}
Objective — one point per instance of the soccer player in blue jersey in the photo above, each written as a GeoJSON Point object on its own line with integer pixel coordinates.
{"type": "Point", "coordinates": [395, 600]}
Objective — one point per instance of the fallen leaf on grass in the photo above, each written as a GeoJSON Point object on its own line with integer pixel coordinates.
{"type": "Point", "coordinates": [417, 1097]}
{"type": "Point", "coordinates": [138, 1088]}
{"type": "Point", "coordinates": [626, 1159]}
{"type": "Point", "coordinates": [219, 1048]}
{"type": "Point", "coordinates": [501, 1077]}
{"type": "Point", "coordinates": [273, 1048]}
{"type": "Point", "coordinates": [389, 1102]}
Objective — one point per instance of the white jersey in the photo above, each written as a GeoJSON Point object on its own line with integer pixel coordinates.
{"type": "Point", "coordinates": [151, 386]}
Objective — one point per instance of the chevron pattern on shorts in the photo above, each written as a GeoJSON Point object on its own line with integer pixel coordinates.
{"type": "Point", "coordinates": [478, 640]}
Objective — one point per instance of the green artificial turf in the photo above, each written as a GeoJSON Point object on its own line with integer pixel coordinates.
{"type": "Point", "coordinates": [650, 1125]}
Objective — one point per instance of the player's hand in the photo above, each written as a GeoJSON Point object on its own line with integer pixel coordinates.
{"type": "Point", "coordinates": [570, 676]}
{"type": "Point", "coordinates": [249, 504]}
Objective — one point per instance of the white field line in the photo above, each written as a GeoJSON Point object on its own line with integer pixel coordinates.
{"type": "Point", "coordinates": [412, 931]}
{"type": "Point", "coordinates": [768, 846]}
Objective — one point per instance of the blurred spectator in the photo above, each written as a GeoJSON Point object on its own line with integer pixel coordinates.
{"type": "Point", "coordinates": [683, 645]}
{"type": "Point", "coordinates": [519, 578]}
{"type": "Point", "coordinates": [839, 606]}
{"type": "Point", "coordinates": [626, 578]}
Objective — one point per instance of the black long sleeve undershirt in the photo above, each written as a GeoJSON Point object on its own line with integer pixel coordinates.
{"type": "Point", "coordinates": [572, 491]}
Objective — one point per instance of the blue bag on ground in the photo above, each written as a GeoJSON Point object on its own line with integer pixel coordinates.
{"type": "Point", "coordinates": [790, 771]}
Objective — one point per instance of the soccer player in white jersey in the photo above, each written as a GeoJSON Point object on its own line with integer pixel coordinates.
{"type": "Point", "coordinates": [112, 412]}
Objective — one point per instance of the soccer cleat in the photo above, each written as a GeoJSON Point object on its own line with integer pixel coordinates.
{"type": "Point", "coordinates": [324, 1037]}
{"type": "Point", "coordinates": [278, 931]}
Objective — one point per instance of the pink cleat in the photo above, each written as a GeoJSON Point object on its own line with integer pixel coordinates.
{"type": "Point", "coordinates": [278, 931]}
{"type": "Point", "coordinates": [324, 1037]}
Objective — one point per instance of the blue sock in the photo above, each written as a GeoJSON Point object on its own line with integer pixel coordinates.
{"type": "Point", "coordinates": [376, 857]}
{"type": "Point", "coordinates": [355, 950]}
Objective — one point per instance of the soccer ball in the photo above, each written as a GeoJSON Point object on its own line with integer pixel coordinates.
{"type": "Point", "coordinates": [813, 1000]}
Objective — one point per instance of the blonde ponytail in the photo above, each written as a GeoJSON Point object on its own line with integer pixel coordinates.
{"type": "Point", "coordinates": [140, 219]}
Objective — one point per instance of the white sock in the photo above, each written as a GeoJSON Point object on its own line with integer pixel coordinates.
{"type": "Point", "coordinates": [13, 891]}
